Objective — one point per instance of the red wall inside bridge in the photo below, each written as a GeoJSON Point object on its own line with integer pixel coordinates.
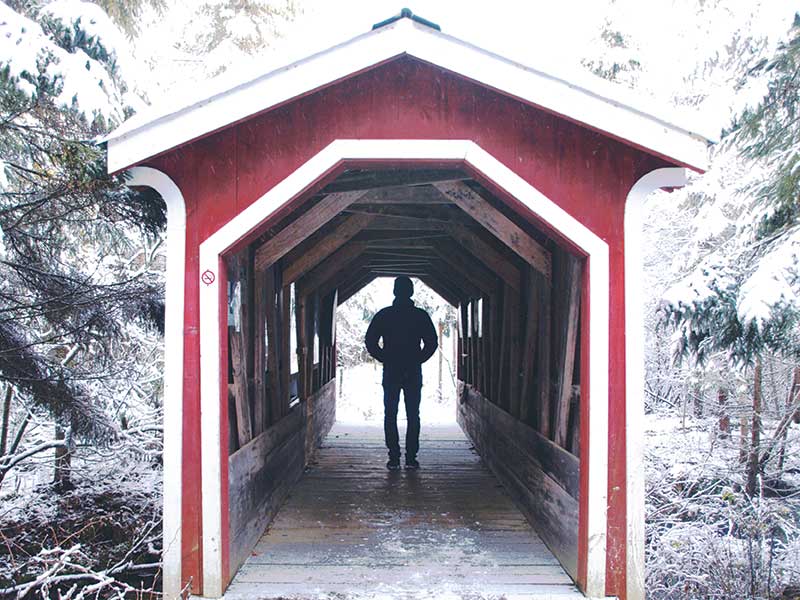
{"type": "Point", "coordinates": [585, 172]}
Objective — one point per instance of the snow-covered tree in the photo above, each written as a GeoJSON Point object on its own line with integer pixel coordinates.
{"type": "Point", "coordinates": [80, 290]}
{"type": "Point", "coordinates": [209, 38]}
{"type": "Point", "coordinates": [739, 302]}
{"type": "Point", "coordinates": [69, 230]}
{"type": "Point", "coordinates": [615, 56]}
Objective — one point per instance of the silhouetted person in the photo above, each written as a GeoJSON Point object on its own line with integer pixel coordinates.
{"type": "Point", "coordinates": [409, 339]}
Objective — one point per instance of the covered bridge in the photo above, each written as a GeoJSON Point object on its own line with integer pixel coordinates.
{"type": "Point", "coordinates": [513, 193]}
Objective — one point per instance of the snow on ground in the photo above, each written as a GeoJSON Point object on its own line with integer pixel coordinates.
{"type": "Point", "coordinates": [695, 449]}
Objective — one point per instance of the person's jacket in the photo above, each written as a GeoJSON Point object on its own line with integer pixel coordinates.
{"type": "Point", "coordinates": [409, 339]}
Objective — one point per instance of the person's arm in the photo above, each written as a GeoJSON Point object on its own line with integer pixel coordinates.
{"type": "Point", "coordinates": [430, 341]}
{"type": "Point", "coordinates": [374, 332]}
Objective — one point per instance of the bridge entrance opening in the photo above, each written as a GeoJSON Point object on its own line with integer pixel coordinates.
{"type": "Point", "coordinates": [515, 290]}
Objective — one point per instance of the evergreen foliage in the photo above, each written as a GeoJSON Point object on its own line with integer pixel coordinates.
{"type": "Point", "coordinates": [770, 132]}
{"type": "Point", "coordinates": [222, 31]}
{"type": "Point", "coordinates": [74, 280]}
{"type": "Point", "coordinates": [741, 298]}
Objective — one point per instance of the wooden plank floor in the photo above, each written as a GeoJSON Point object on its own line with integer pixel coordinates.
{"type": "Point", "coordinates": [352, 529]}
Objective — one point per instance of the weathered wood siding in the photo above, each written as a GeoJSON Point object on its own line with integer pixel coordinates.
{"type": "Point", "coordinates": [320, 416]}
{"type": "Point", "coordinates": [542, 477]}
{"type": "Point", "coordinates": [262, 472]}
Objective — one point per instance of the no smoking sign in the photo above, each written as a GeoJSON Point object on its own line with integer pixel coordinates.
{"type": "Point", "coordinates": [208, 277]}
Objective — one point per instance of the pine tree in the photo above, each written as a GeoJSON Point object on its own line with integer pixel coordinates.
{"type": "Point", "coordinates": [73, 277]}
{"type": "Point", "coordinates": [223, 32]}
{"type": "Point", "coordinates": [740, 301]}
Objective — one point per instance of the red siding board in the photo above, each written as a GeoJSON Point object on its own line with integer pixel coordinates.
{"type": "Point", "coordinates": [585, 172]}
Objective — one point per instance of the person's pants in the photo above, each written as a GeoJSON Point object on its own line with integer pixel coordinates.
{"type": "Point", "coordinates": [412, 392]}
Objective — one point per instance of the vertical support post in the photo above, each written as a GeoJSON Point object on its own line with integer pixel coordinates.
{"type": "Point", "coordinates": [528, 405]}
{"type": "Point", "coordinates": [260, 412]}
{"type": "Point", "coordinates": [238, 360]}
{"type": "Point", "coordinates": [441, 355]}
{"type": "Point", "coordinates": [286, 347]}
{"type": "Point", "coordinates": [543, 357]}
{"type": "Point", "coordinates": [273, 347]}
{"type": "Point", "coordinates": [301, 322]}
{"type": "Point", "coordinates": [465, 347]}
{"type": "Point", "coordinates": [514, 353]}
{"type": "Point", "coordinates": [475, 346]}
{"type": "Point", "coordinates": [503, 372]}
{"type": "Point", "coordinates": [486, 347]}
{"type": "Point", "coordinates": [237, 339]}
{"type": "Point", "coordinates": [459, 352]}
{"type": "Point", "coordinates": [568, 332]}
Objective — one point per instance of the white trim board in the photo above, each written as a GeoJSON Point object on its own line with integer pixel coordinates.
{"type": "Point", "coordinates": [635, 372]}
{"type": "Point", "coordinates": [545, 209]}
{"type": "Point", "coordinates": [173, 369]}
{"type": "Point", "coordinates": [140, 138]}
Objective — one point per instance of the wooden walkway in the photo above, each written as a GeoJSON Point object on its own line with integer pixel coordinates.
{"type": "Point", "coordinates": [352, 529]}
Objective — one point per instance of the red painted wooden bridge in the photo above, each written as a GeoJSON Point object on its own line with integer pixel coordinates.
{"type": "Point", "coordinates": [514, 193]}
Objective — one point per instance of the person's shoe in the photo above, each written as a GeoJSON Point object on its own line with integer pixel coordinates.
{"type": "Point", "coordinates": [411, 463]}
{"type": "Point", "coordinates": [393, 464]}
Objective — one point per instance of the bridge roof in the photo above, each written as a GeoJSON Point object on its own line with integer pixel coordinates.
{"type": "Point", "coordinates": [591, 102]}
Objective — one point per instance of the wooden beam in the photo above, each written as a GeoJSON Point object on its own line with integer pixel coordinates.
{"type": "Point", "coordinates": [413, 256]}
{"type": "Point", "coordinates": [437, 214]}
{"type": "Point", "coordinates": [443, 272]}
{"type": "Point", "coordinates": [302, 343]}
{"type": "Point", "coordinates": [397, 264]}
{"type": "Point", "coordinates": [273, 346]}
{"type": "Point", "coordinates": [566, 359]}
{"type": "Point", "coordinates": [514, 353]}
{"type": "Point", "coordinates": [528, 403]}
{"type": "Point", "coordinates": [466, 346]}
{"type": "Point", "coordinates": [477, 358]}
{"type": "Point", "coordinates": [331, 265]}
{"type": "Point", "coordinates": [312, 301]}
{"type": "Point", "coordinates": [543, 353]}
{"type": "Point", "coordinates": [404, 244]}
{"type": "Point", "coordinates": [334, 307]}
{"type": "Point", "coordinates": [302, 227]}
{"type": "Point", "coordinates": [373, 179]}
{"type": "Point", "coordinates": [390, 236]}
{"type": "Point", "coordinates": [496, 310]}
{"type": "Point", "coordinates": [260, 412]}
{"type": "Point", "coordinates": [285, 348]}
{"type": "Point", "coordinates": [403, 223]}
{"type": "Point", "coordinates": [503, 372]}
{"type": "Point", "coordinates": [389, 272]}
{"type": "Point", "coordinates": [366, 275]}
{"type": "Point", "coordinates": [336, 278]}
{"type": "Point", "coordinates": [473, 270]}
{"type": "Point", "coordinates": [334, 240]}
{"type": "Point", "coordinates": [243, 424]}
{"type": "Point", "coordinates": [499, 225]}
{"type": "Point", "coordinates": [476, 249]}
{"type": "Point", "coordinates": [354, 287]}
{"type": "Point", "coordinates": [486, 352]}
{"type": "Point", "coordinates": [401, 252]}
{"type": "Point", "coordinates": [417, 195]}
{"type": "Point", "coordinates": [239, 349]}
{"type": "Point", "coordinates": [437, 286]}
{"type": "Point", "coordinates": [486, 253]}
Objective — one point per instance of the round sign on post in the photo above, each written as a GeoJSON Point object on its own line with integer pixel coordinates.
{"type": "Point", "coordinates": [208, 277]}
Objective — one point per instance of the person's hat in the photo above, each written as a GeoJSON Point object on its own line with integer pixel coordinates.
{"type": "Point", "coordinates": [403, 287]}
